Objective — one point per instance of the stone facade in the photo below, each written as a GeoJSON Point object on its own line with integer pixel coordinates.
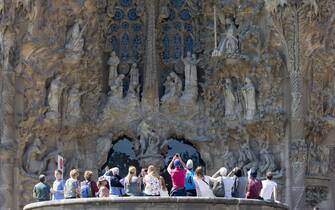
{"type": "Point", "coordinates": [247, 83]}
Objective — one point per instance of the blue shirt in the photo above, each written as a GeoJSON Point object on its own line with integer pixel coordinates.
{"type": "Point", "coordinates": [189, 182]}
{"type": "Point", "coordinates": [58, 187]}
{"type": "Point", "coordinates": [115, 186]}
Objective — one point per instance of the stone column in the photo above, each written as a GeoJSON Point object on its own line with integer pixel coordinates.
{"type": "Point", "coordinates": [8, 142]}
{"type": "Point", "coordinates": [150, 99]}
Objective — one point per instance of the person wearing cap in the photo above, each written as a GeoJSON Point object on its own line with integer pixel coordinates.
{"type": "Point", "coordinates": [41, 190]}
{"type": "Point", "coordinates": [103, 189]}
{"type": "Point", "coordinates": [116, 188]}
{"type": "Point", "coordinates": [189, 182]}
{"type": "Point", "coordinates": [254, 185]}
{"type": "Point", "coordinates": [269, 188]}
{"type": "Point", "coordinates": [177, 176]}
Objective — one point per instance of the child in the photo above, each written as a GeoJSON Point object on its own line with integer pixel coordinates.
{"type": "Point", "coordinates": [102, 185]}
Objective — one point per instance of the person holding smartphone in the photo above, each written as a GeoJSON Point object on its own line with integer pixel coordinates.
{"type": "Point", "coordinates": [177, 176]}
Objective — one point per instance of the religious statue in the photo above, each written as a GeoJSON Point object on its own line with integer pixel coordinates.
{"type": "Point", "coordinates": [173, 87]}
{"type": "Point", "coordinates": [267, 159]}
{"type": "Point", "coordinates": [117, 87]}
{"type": "Point", "coordinates": [74, 103]}
{"type": "Point", "coordinates": [191, 76]}
{"type": "Point", "coordinates": [247, 158]}
{"type": "Point", "coordinates": [229, 100]}
{"type": "Point", "coordinates": [113, 63]}
{"type": "Point", "coordinates": [229, 42]}
{"type": "Point", "coordinates": [249, 95]}
{"type": "Point", "coordinates": [55, 97]}
{"type": "Point", "coordinates": [134, 83]}
{"type": "Point", "coordinates": [37, 159]}
{"type": "Point", "coordinates": [74, 39]}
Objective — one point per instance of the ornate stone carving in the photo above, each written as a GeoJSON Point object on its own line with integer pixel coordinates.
{"type": "Point", "coordinates": [173, 88]}
{"type": "Point", "coordinates": [134, 83]}
{"type": "Point", "coordinates": [191, 77]}
{"type": "Point", "coordinates": [316, 194]}
{"type": "Point", "coordinates": [55, 98]}
{"type": "Point", "coordinates": [318, 160]}
{"type": "Point", "coordinates": [229, 42]}
{"type": "Point", "coordinates": [117, 87]}
{"type": "Point", "coordinates": [113, 63]}
{"type": "Point", "coordinates": [247, 158]}
{"type": "Point", "coordinates": [230, 100]}
{"type": "Point", "coordinates": [38, 158]}
{"type": "Point", "coordinates": [267, 162]}
{"type": "Point", "coordinates": [74, 104]}
{"type": "Point", "coordinates": [104, 144]}
{"type": "Point", "coordinates": [75, 41]}
{"type": "Point", "coordinates": [249, 95]}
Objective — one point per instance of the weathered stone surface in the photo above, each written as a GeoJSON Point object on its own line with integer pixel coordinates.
{"type": "Point", "coordinates": [263, 95]}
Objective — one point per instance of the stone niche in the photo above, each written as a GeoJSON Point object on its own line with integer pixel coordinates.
{"type": "Point", "coordinates": [86, 75]}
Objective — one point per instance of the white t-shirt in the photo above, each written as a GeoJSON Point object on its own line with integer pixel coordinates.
{"type": "Point", "coordinates": [202, 186]}
{"type": "Point", "coordinates": [152, 185]}
{"type": "Point", "coordinates": [268, 188]}
{"type": "Point", "coordinates": [228, 185]}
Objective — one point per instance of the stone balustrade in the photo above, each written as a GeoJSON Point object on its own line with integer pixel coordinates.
{"type": "Point", "coordinates": [156, 203]}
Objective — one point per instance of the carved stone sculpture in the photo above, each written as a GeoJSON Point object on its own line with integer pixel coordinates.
{"type": "Point", "coordinates": [247, 158]}
{"type": "Point", "coordinates": [113, 63]}
{"type": "Point", "coordinates": [229, 159]}
{"type": "Point", "coordinates": [173, 88]}
{"type": "Point", "coordinates": [37, 159]}
{"type": "Point", "coordinates": [75, 41]}
{"type": "Point", "coordinates": [117, 87]}
{"type": "Point", "coordinates": [229, 42]}
{"type": "Point", "coordinates": [74, 104]}
{"type": "Point", "coordinates": [230, 101]}
{"type": "Point", "coordinates": [191, 77]}
{"type": "Point", "coordinates": [267, 162]}
{"type": "Point", "coordinates": [55, 98]}
{"type": "Point", "coordinates": [249, 95]}
{"type": "Point", "coordinates": [134, 83]}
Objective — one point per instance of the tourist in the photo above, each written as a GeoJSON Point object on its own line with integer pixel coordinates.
{"type": "Point", "coordinates": [240, 184]}
{"type": "Point", "coordinates": [72, 185]}
{"type": "Point", "coordinates": [254, 186]}
{"type": "Point", "coordinates": [58, 186]}
{"type": "Point", "coordinates": [177, 176]}
{"type": "Point", "coordinates": [164, 191]}
{"type": "Point", "coordinates": [103, 189]}
{"type": "Point", "coordinates": [88, 187]}
{"type": "Point", "coordinates": [269, 188]}
{"type": "Point", "coordinates": [189, 182]}
{"type": "Point", "coordinates": [151, 182]}
{"type": "Point", "coordinates": [41, 190]}
{"type": "Point", "coordinates": [132, 185]}
{"type": "Point", "coordinates": [116, 188]}
{"type": "Point", "coordinates": [228, 182]}
{"type": "Point", "coordinates": [202, 183]}
{"type": "Point", "coordinates": [144, 172]}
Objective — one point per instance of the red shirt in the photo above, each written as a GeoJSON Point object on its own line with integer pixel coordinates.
{"type": "Point", "coordinates": [178, 177]}
{"type": "Point", "coordinates": [254, 188]}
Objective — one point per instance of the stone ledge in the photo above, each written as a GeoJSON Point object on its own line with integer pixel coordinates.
{"type": "Point", "coordinates": [146, 203]}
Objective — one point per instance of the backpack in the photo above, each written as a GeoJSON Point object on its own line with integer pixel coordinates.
{"type": "Point", "coordinates": [85, 189]}
{"type": "Point", "coordinates": [218, 188]}
{"type": "Point", "coordinates": [234, 191]}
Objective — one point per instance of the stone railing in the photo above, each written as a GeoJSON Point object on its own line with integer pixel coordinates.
{"type": "Point", "coordinates": [154, 203]}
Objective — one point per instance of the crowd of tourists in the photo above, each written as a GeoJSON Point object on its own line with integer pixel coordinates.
{"type": "Point", "coordinates": [185, 182]}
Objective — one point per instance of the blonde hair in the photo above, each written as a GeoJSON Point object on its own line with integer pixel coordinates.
{"type": "Point", "coordinates": [199, 172]}
{"type": "Point", "coordinates": [153, 171]}
{"type": "Point", "coordinates": [88, 175]}
{"type": "Point", "coordinates": [74, 173]}
{"type": "Point", "coordinates": [162, 182]}
{"type": "Point", "coordinates": [131, 173]}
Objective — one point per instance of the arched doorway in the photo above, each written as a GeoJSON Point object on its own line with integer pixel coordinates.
{"type": "Point", "coordinates": [122, 155]}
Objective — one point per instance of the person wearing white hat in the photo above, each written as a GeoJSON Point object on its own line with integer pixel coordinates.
{"type": "Point", "coordinates": [189, 182]}
{"type": "Point", "coordinates": [228, 181]}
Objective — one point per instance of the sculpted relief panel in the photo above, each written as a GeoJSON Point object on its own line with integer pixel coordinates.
{"type": "Point", "coordinates": [84, 76]}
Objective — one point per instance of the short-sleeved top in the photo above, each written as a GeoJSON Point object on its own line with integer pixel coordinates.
{"type": "Point", "coordinates": [58, 187]}
{"type": "Point", "coordinates": [178, 177]}
{"type": "Point", "coordinates": [228, 185]}
{"type": "Point", "coordinates": [189, 182]}
{"type": "Point", "coordinates": [241, 186]}
{"type": "Point", "coordinates": [268, 188]}
{"type": "Point", "coordinates": [152, 185]}
{"type": "Point", "coordinates": [254, 188]}
{"type": "Point", "coordinates": [42, 191]}
{"type": "Point", "coordinates": [103, 192]}
{"type": "Point", "coordinates": [203, 188]}
{"type": "Point", "coordinates": [71, 186]}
